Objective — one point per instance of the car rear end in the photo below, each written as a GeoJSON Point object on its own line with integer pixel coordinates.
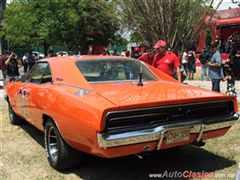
{"type": "Point", "coordinates": [137, 130]}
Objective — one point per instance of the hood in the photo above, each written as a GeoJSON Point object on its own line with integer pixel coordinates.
{"type": "Point", "coordinates": [126, 94]}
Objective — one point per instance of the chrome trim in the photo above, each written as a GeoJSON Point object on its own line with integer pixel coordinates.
{"type": "Point", "coordinates": [52, 143]}
{"type": "Point", "coordinates": [82, 92]}
{"type": "Point", "coordinates": [159, 132]}
{"type": "Point", "coordinates": [74, 86]}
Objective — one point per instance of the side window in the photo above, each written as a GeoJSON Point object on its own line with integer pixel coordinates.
{"type": "Point", "coordinates": [47, 76]}
{"type": "Point", "coordinates": [38, 72]}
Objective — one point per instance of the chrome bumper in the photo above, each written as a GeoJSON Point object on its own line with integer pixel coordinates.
{"type": "Point", "coordinates": [159, 132]}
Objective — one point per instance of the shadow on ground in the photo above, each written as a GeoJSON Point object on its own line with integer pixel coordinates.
{"type": "Point", "coordinates": [177, 159]}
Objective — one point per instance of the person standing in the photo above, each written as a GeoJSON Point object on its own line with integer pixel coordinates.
{"type": "Point", "coordinates": [127, 53]}
{"type": "Point", "coordinates": [115, 52]}
{"type": "Point", "coordinates": [30, 60]}
{"type": "Point", "coordinates": [236, 65]}
{"type": "Point", "coordinates": [184, 61]}
{"type": "Point", "coordinates": [25, 64]}
{"type": "Point", "coordinates": [147, 57]}
{"type": "Point", "coordinates": [229, 77]}
{"type": "Point", "coordinates": [166, 61]}
{"type": "Point", "coordinates": [204, 57]}
{"type": "Point", "coordinates": [13, 64]}
{"type": "Point", "coordinates": [191, 65]}
{"type": "Point", "coordinates": [3, 66]}
{"type": "Point", "coordinates": [215, 68]}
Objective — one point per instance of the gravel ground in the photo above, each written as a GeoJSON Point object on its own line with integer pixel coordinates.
{"type": "Point", "coordinates": [208, 85]}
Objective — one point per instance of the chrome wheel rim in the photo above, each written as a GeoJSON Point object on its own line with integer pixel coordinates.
{"type": "Point", "coordinates": [10, 113]}
{"type": "Point", "coordinates": [52, 144]}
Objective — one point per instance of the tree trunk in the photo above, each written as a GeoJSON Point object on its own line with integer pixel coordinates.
{"type": "Point", "coordinates": [45, 47]}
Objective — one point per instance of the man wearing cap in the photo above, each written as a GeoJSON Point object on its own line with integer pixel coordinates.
{"type": "Point", "coordinates": [166, 61]}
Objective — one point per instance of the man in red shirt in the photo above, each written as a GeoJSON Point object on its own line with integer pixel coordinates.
{"type": "Point", "coordinates": [166, 61]}
{"type": "Point", "coordinates": [147, 57]}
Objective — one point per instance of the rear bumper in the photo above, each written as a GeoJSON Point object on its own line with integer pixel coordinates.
{"type": "Point", "coordinates": [159, 133]}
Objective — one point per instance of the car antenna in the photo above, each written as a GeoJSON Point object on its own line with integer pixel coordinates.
{"type": "Point", "coordinates": [140, 77]}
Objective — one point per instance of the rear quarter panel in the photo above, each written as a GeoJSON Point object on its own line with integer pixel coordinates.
{"type": "Point", "coordinates": [77, 117]}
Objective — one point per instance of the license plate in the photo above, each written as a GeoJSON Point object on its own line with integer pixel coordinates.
{"type": "Point", "coordinates": [180, 135]}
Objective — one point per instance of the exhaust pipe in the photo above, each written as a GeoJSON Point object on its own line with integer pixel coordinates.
{"type": "Point", "coordinates": [146, 152]}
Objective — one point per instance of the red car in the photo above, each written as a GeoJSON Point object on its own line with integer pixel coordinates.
{"type": "Point", "coordinates": [114, 106]}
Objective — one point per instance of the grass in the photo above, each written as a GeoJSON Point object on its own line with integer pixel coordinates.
{"type": "Point", "coordinates": [23, 157]}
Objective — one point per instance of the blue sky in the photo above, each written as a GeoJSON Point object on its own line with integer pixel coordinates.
{"type": "Point", "coordinates": [225, 4]}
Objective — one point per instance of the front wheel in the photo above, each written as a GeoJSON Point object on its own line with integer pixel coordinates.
{"type": "Point", "coordinates": [14, 119]}
{"type": "Point", "coordinates": [60, 155]}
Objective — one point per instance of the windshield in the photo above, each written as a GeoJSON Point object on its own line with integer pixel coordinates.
{"type": "Point", "coordinates": [114, 70]}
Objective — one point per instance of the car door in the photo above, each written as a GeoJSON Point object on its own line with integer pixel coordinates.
{"type": "Point", "coordinates": [34, 92]}
{"type": "Point", "coordinates": [40, 97]}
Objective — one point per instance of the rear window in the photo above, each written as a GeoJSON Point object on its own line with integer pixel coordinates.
{"type": "Point", "coordinates": [114, 70]}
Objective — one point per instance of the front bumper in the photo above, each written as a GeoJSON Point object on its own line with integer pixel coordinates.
{"type": "Point", "coordinates": [159, 133]}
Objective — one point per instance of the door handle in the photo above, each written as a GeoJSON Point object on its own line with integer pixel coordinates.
{"type": "Point", "coordinates": [20, 92]}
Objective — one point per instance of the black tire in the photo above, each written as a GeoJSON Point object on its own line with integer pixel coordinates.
{"type": "Point", "coordinates": [61, 156]}
{"type": "Point", "coordinates": [14, 119]}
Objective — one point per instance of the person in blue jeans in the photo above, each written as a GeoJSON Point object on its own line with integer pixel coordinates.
{"type": "Point", "coordinates": [215, 68]}
{"type": "Point", "coordinates": [204, 57]}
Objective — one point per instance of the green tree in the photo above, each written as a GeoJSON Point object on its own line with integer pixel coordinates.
{"type": "Point", "coordinates": [74, 23]}
{"type": "Point", "coordinates": [178, 22]}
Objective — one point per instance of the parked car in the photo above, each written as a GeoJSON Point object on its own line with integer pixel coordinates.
{"type": "Point", "coordinates": [38, 55]}
{"type": "Point", "coordinates": [62, 53]}
{"type": "Point", "coordinates": [112, 106]}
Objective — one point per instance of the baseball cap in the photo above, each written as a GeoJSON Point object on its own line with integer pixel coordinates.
{"type": "Point", "coordinates": [136, 49]}
{"type": "Point", "coordinates": [159, 44]}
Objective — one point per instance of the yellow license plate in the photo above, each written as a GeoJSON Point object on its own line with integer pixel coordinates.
{"type": "Point", "coordinates": [175, 136]}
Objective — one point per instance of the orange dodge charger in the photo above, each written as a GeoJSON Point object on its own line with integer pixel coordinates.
{"type": "Point", "coordinates": [114, 106]}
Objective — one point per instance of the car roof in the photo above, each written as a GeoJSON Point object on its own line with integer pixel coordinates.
{"type": "Point", "coordinates": [84, 57]}
{"type": "Point", "coordinates": [64, 67]}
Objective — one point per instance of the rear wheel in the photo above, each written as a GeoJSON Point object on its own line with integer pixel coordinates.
{"type": "Point", "coordinates": [14, 119]}
{"type": "Point", "coordinates": [60, 155]}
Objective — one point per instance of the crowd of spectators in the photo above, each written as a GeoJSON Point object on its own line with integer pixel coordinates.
{"type": "Point", "coordinates": [181, 66]}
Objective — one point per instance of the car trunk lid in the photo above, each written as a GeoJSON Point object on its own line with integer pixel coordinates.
{"type": "Point", "coordinates": [128, 93]}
